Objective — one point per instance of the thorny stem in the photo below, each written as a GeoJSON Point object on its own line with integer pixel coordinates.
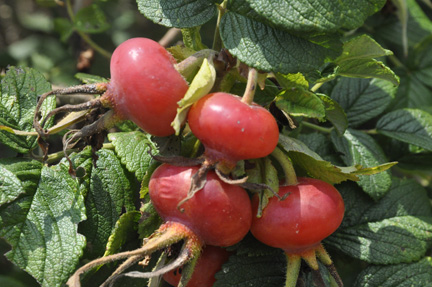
{"type": "Point", "coordinates": [286, 164]}
{"type": "Point", "coordinates": [98, 88]}
{"type": "Point", "coordinates": [125, 265]}
{"type": "Point", "coordinates": [165, 236]}
{"type": "Point", "coordinates": [96, 103]}
{"type": "Point", "coordinates": [186, 254]}
{"type": "Point", "coordinates": [217, 41]}
{"type": "Point", "coordinates": [251, 85]}
{"type": "Point", "coordinates": [83, 35]}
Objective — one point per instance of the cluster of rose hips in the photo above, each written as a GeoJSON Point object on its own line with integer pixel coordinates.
{"type": "Point", "coordinates": [145, 87]}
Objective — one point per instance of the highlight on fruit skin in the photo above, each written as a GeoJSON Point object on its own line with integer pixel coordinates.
{"type": "Point", "coordinates": [232, 130]}
{"type": "Point", "coordinates": [312, 211]}
{"type": "Point", "coordinates": [145, 86]}
{"type": "Point", "coordinates": [219, 214]}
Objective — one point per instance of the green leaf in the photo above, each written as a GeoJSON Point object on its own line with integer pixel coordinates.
{"type": "Point", "coordinates": [10, 186]}
{"type": "Point", "coordinates": [133, 149]}
{"type": "Point", "coordinates": [109, 190]}
{"type": "Point", "coordinates": [91, 19]}
{"type": "Point", "coordinates": [390, 241]}
{"type": "Point", "coordinates": [334, 113]}
{"type": "Point", "coordinates": [42, 228]}
{"type": "Point", "coordinates": [64, 27]}
{"type": "Point", "coordinates": [90, 79]}
{"type": "Point", "coordinates": [18, 176]}
{"type": "Point", "coordinates": [306, 16]}
{"type": "Point", "coordinates": [150, 220]}
{"type": "Point", "coordinates": [124, 228]}
{"type": "Point", "coordinates": [414, 163]}
{"type": "Point", "coordinates": [243, 270]}
{"type": "Point", "coordinates": [312, 164]}
{"type": "Point", "coordinates": [393, 230]}
{"type": "Point", "coordinates": [417, 274]}
{"type": "Point", "coordinates": [201, 85]}
{"type": "Point", "coordinates": [362, 99]}
{"type": "Point", "coordinates": [300, 102]}
{"type": "Point", "coordinates": [412, 126]}
{"type": "Point", "coordinates": [7, 281]}
{"type": "Point", "coordinates": [357, 60]}
{"type": "Point", "coordinates": [358, 148]}
{"type": "Point", "coordinates": [178, 13]}
{"type": "Point", "coordinates": [20, 88]}
{"type": "Point", "coordinates": [270, 49]}
{"type": "Point", "coordinates": [263, 172]}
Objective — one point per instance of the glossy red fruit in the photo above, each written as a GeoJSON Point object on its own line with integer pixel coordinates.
{"type": "Point", "coordinates": [145, 87]}
{"type": "Point", "coordinates": [232, 130]}
{"type": "Point", "coordinates": [312, 211]}
{"type": "Point", "coordinates": [209, 263]}
{"type": "Point", "coordinates": [219, 214]}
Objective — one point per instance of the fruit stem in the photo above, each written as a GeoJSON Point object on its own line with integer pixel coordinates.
{"type": "Point", "coordinates": [286, 164]}
{"type": "Point", "coordinates": [293, 269]}
{"type": "Point", "coordinates": [217, 41]}
{"type": "Point", "coordinates": [252, 81]}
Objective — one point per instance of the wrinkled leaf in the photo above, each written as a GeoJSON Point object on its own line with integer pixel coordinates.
{"type": "Point", "coordinates": [133, 149]}
{"type": "Point", "coordinates": [393, 230]}
{"type": "Point", "coordinates": [362, 99]}
{"type": "Point", "coordinates": [269, 49]}
{"type": "Point", "coordinates": [124, 228]}
{"type": "Point", "coordinates": [358, 148]}
{"type": "Point", "coordinates": [420, 274]}
{"type": "Point", "coordinates": [306, 16]}
{"type": "Point", "coordinates": [20, 89]}
{"type": "Point", "coordinates": [178, 13]}
{"type": "Point", "coordinates": [412, 126]}
{"type": "Point", "coordinates": [109, 192]}
{"type": "Point", "coordinates": [42, 227]}
{"type": "Point", "coordinates": [358, 60]}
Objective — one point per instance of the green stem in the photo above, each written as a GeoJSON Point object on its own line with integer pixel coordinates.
{"type": "Point", "coordinates": [286, 164]}
{"type": "Point", "coordinates": [317, 127]}
{"type": "Point", "coordinates": [316, 87]}
{"type": "Point", "coordinates": [83, 35]}
{"type": "Point", "coordinates": [293, 269]}
{"type": "Point", "coordinates": [371, 132]}
{"type": "Point", "coordinates": [195, 148]}
{"type": "Point", "coordinates": [252, 81]}
{"type": "Point", "coordinates": [396, 61]}
{"type": "Point", "coordinates": [217, 41]}
{"type": "Point", "coordinates": [55, 157]}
